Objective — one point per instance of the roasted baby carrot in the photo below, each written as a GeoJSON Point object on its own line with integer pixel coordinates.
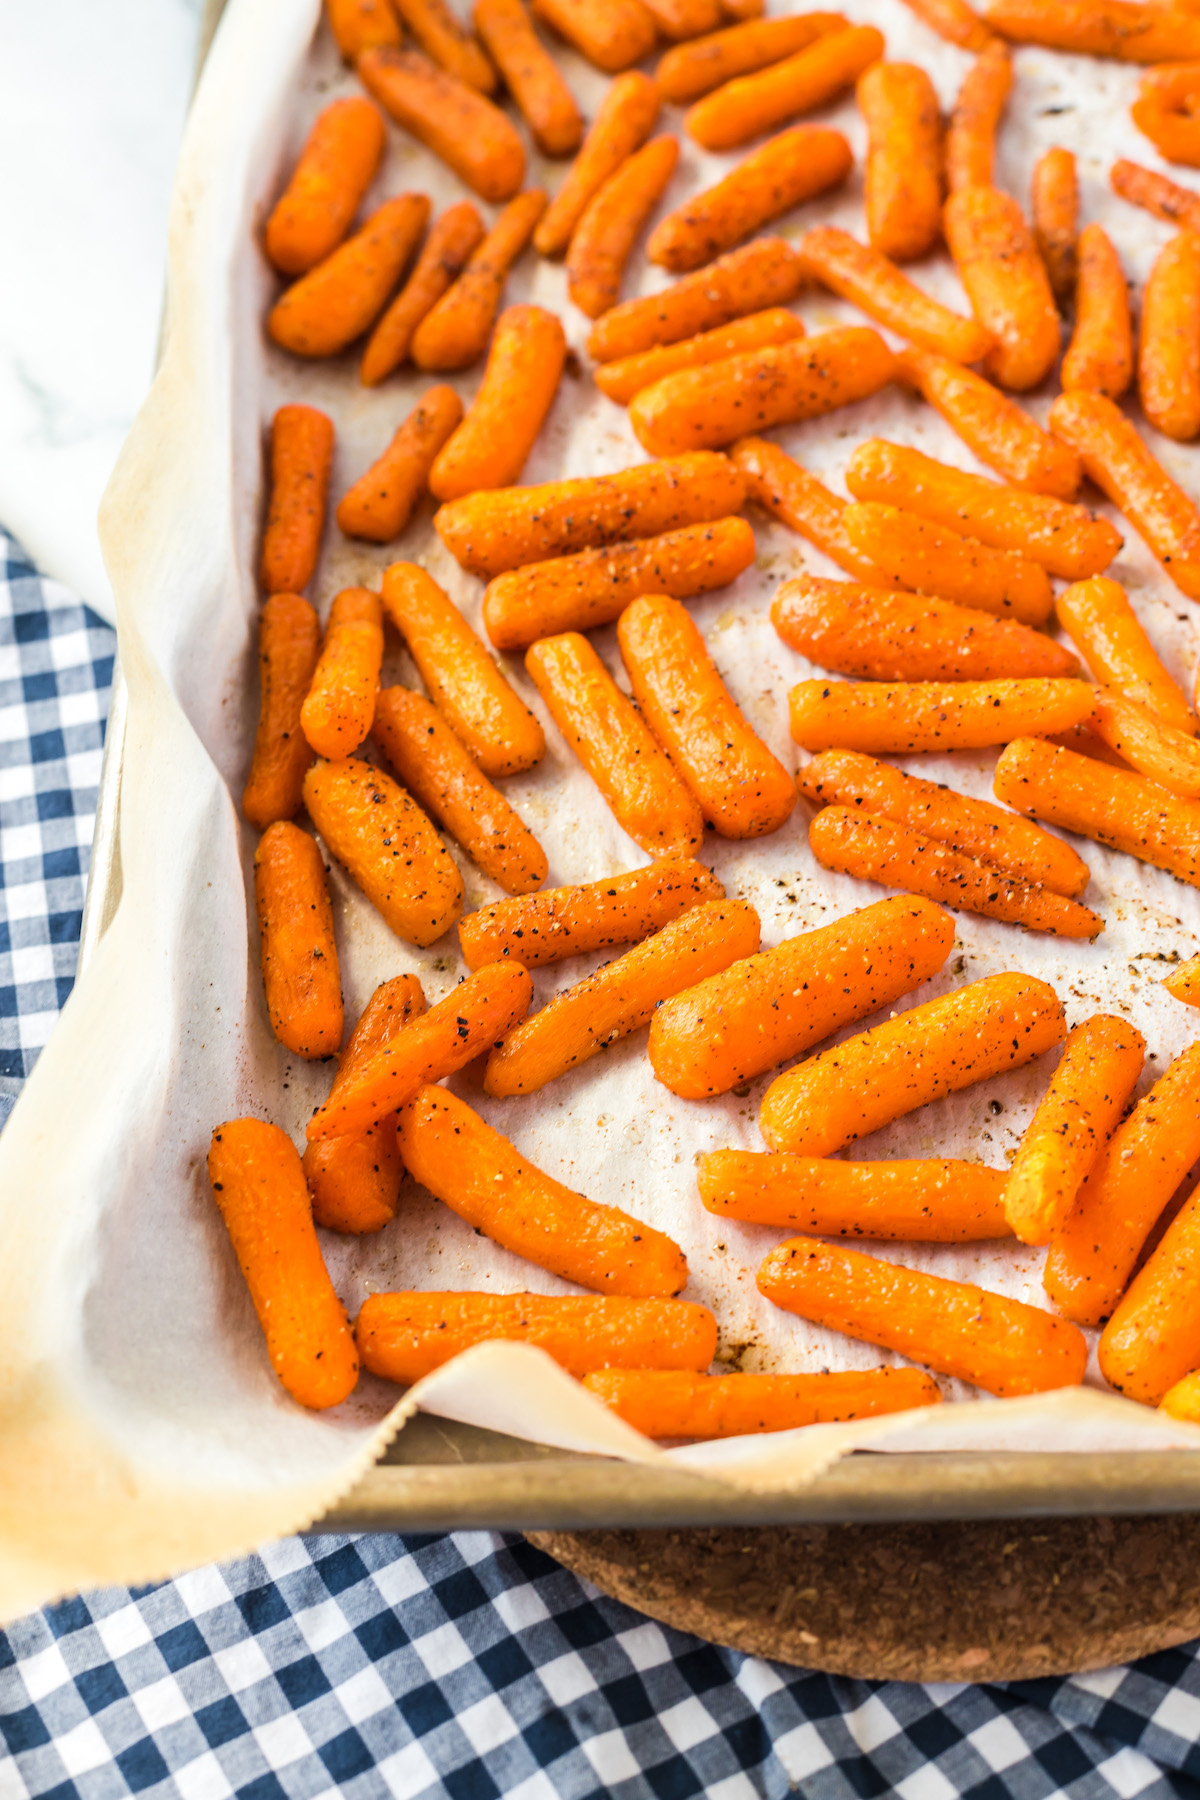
{"type": "Point", "coordinates": [903, 175]}
{"type": "Point", "coordinates": [624, 120]}
{"type": "Point", "coordinates": [933, 559]}
{"type": "Point", "coordinates": [380, 503]}
{"type": "Point", "coordinates": [524, 368]}
{"type": "Point", "coordinates": [877, 287]}
{"type": "Point", "coordinates": [1165, 110]}
{"type": "Point", "coordinates": [1152, 1341]}
{"type": "Point", "coordinates": [296, 942]}
{"type": "Point", "coordinates": [1182, 1401]}
{"type": "Point", "coordinates": [301, 458]}
{"type": "Point", "coordinates": [1122, 465]}
{"type": "Point", "coordinates": [1070, 541]}
{"type": "Point", "coordinates": [764, 273]}
{"type": "Point", "coordinates": [260, 1192]}
{"type": "Point", "coordinates": [531, 75]}
{"type": "Point", "coordinates": [437, 29]}
{"type": "Point", "coordinates": [742, 788]}
{"type": "Point", "coordinates": [900, 718]}
{"type": "Point", "coordinates": [681, 19]}
{"type": "Point", "coordinates": [578, 593]}
{"type": "Point", "coordinates": [941, 1202]}
{"type": "Point", "coordinates": [388, 847]}
{"type": "Point", "coordinates": [1159, 751]}
{"type": "Point", "coordinates": [489, 533]}
{"type": "Point", "coordinates": [643, 789]}
{"type": "Point", "coordinates": [737, 1024]}
{"type": "Point", "coordinates": [537, 929]}
{"type": "Point", "coordinates": [462, 680]}
{"type": "Point", "coordinates": [1076, 1116]}
{"type": "Point", "coordinates": [1006, 283]}
{"type": "Point", "coordinates": [1000, 1345]}
{"type": "Point", "coordinates": [976, 827]}
{"type": "Point", "coordinates": [1000, 432]}
{"type": "Point", "coordinates": [978, 108]}
{"type": "Point", "coordinates": [1056, 218]}
{"type": "Point", "coordinates": [782, 173]}
{"type": "Point", "coordinates": [1115, 807]}
{"type": "Point", "coordinates": [690, 70]}
{"type": "Point", "coordinates": [336, 301]}
{"type": "Point", "coordinates": [878, 635]}
{"type": "Point", "coordinates": [289, 643]}
{"type": "Point", "coordinates": [340, 703]}
{"type": "Point", "coordinates": [403, 1337]}
{"type": "Point", "coordinates": [804, 504]}
{"type": "Point", "coordinates": [1159, 195]}
{"type": "Point", "coordinates": [698, 409]}
{"type": "Point", "coordinates": [921, 1055]}
{"type": "Point", "coordinates": [1184, 982]}
{"type": "Point", "coordinates": [621, 996]}
{"type": "Point", "coordinates": [426, 1048]}
{"type": "Point", "coordinates": [455, 331]}
{"type": "Point", "coordinates": [612, 34]}
{"type": "Point", "coordinates": [454, 237]}
{"type": "Point", "coordinates": [1125, 29]}
{"type": "Point", "coordinates": [1169, 345]}
{"type": "Point", "coordinates": [1094, 1251]}
{"type": "Point", "coordinates": [355, 1180]}
{"type": "Point", "coordinates": [359, 25]}
{"type": "Point", "coordinates": [612, 220]}
{"type": "Point", "coordinates": [953, 20]}
{"type": "Point", "coordinates": [750, 105]}
{"type": "Point", "coordinates": [438, 771]}
{"type": "Point", "coordinates": [333, 172]}
{"type": "Point", "coordinates": [1100, 354]}
{"type": "Point", "coordinates": [459, 124]}
{"type": "Point", "coordinates": [482, 1177]}
{"type": "Point", "coordinates": [623, 379]}
{"type": "Point", "coordinates": [1107, 633]}
{"type": "Point", "coordinates": [662, 1403]}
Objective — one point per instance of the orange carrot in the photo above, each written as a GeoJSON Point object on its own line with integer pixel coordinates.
{"type": "Point", "coordinates": [403, 1337]}
{"type": "Point", "coordinates": [877, 635]}
{"type": "Point", "coordinates": [620, 997]}
{"type": "Point", "coordinates": [296, 942]}
{"type": "Point", "coordinates": [333, 172]}
{"type": "Point", "coordinates": [750, 105]}
{"type": "Point", "coordinates": [1159, 751]}
{"type": "Point", "coordinates": [640, 784]}
{"type": "Point", "coordinates": [1115, 807]}
{"type": "Point", "coordinates": [1094, 1250]}
{"type": "Point", "coordinates": [878, 288]}
{"type": "Point", "coordinates": [954, 21]}
{"type": "Point", "coordinates": [940, 1202]}
{"type": "Point", "coordinates": [426, 1048]}
{"type": "Point", "coordinates": [1067, 540]}
{"type": "Point", "coordinates": [336, 301]}
{"type": "Point", "coordinates": [623, 379]}
{"type": "Point", "coordinates": [900, 718]}
{"type": "Point", "coordinates": [681, 19]}
{"type": "Point", "coordinates": [489, 533]}
{"type": "Point", "coordinates": [975, 827]}
{"type": "Point", "coordinates": [624, 120]}
{"type": "Point", "coordinates": [804, 504]}
{"type": "Point", "coordinates": [387, 846]}
{"type": "Point", "coordinates": [764, 273]}
{"type": "Point", "coordinates": [537, 929]}
{"type": "Point", "coordinates": [1000, 1345]}
{"type": "Point", "coordinates": [1108, 635]}
{"type": "Point", "coordinates": [933, 559]}
{"type": "Point", "coordinates": [437, 29]}
{"type": "Point", "coordinates": [340, 704]}
{"type": "Point", "coordinates": [1151, 1343]}
{"type": "Point", "coordinates": [698, 409]}
{"type": "Point", "coordinates": [436, 769]}
{"type": "Point", "coordinates": [1182, 1401]}
{"type": "Point", "coordinates": [742, 788]}
{"type": "Point", "coordinates": [697, 68]}
{"type": "Point", "coordinates": [1119, 461]}
{"type": "Point", "coordinates": [359, 25]}
{"type": "Point", "coordinates": [903, 176]}
{"type": "Point", "coordinates": [612, 220]}
{"type": "Point", "coordinates": [663, 1403]}
{"type": "Point", "coordinates": [482, 1177]}
{"type": "Point", "coordinates": [289, 643]}
{"type": "Point", "coordinates": [995, 428]}
{"type": "Point", "coordinates": [1184, 983]}
{"type": "Point", "coordinates": [380, 503]}
{"type": "Point", "coordinates": [1164, 198]}
{"type": "Point", "coordinates": [463, 681]}
{"type": "Point", "coordinates": [301, 458]}
{"type": "Point", "coordinates": [612, 34]}
{"type": "Point", "coordinates": [1056, 218]}
{"type": "Point", "coordinates": [1169, 346]}
{"type": "Point", "coordinates": [355, 1180]}
{"type": "Point", "coordinates": [450, 243]}
{"type": "Point", "coordinates": [259, 1189]}
{"type": "Point", "coordinates": [524, 367]}
{"type": "Point", "coordinates": [1006, 282]}
{"type": "Point", "coordinates": [578, 593]}
{"type": "Point", "coordinates": [781, 174]}
{"type": "Point", "coordinates": [1125, 29]}
{"type": "Point", "coordinates": [455, 331]}
{"type": "Point", "coordinates": [978, 109]}
{"type": "Point", "coordinates": [1100, 354]}
{"type": "Point", "coordinates": [919, 1056]}
{"type": "Point", "coordinates": [1165, 110]}
{"type": "Point", "coordinates": [734, 1026]}
{"type": "Point", "coordinates": [531, 75]}
{"type": "Point", "coordinates": [453, 120]}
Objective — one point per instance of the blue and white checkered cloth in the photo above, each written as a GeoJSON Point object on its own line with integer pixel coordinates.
{"type": "Point", "coordinates": [469, 1665]}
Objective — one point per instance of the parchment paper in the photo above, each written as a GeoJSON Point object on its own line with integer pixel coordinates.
{"type": "Point", "coordinates": [143, 1430]}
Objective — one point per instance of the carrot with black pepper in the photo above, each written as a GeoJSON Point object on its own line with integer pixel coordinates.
{"type": "Point", "coordinates": [611, 34]}
{"type": "Point", "coordinates": [1100, 353]}
{"type": "Point", "coordinates": [624, 120]}
{"type": "Point", "coordinates": [603, 240]}
{"type": "Point", "coordinates": [336, 301]}
{"type": "Point", "coordinates": [750, 105]}
{"type": "Point", "coordinates": [1183, 983]}
{"type": "Point", "coordinates": [918, 1202]}
{"type": "Point", "coordinates": [452, 240]}
{"type": "Point", "coordinates": [531, 75]}
{"type": "Point", "coordinates": [296, 943]}
{"type": "Point", "coordinates": [455, 331]}
{"type": "Point", "coordinates": [902, 179]}
{"type": "Point", "coordinates": [1125, 29]}
{"type": "Point", "coordinates": [1106, 631]}
{"type": "Point", "coordinates": [1056, 218]}
{"type": "Point", "coordinates": [301, 458]}
{"type": "Point", "coordinates": [1165, 110]}
{"type": "Point", "coordinates": [1006, 282]}
{"type": "Point", "coordinates": [978, 108]}
{"type": "Point", "coordinates": [953, 20]}
{"type": "Point", "coordinates": [867, 278]}
{"type": "Point", "coordinates": [900, 718]}
{"type": "Point", "coordinates": [289, 644]}
{"type": "Point", "coordinates": [524, 367]}
{"type": "Point", "coordinates": [440, 34]}
{"type": "Point", "coordinates": [690, 70]}
{"type": "Point", "coordinates": [380, 504]}
{"type": "Point", "coordinates": [623, 379]}
{"type": "Point", "coordinates": [805, 505]}
{"type": "Point", "coordinates": [1151, 1343]}
{"type": "Point", "coordinates": [998, 431]}
{"type": "Point", "coordinates": [452, 119]}
{"type": "Point", "coordinates": [781, 174]}
{"type": "Point", "coordinates": [1169, 344]}
{"type": "Point", "coordinates": [764, 273]}
{"type": "Point", "coordinates": [664, 1403]}
{"type": "Point", "coordinates": [333, 172]}
{"type": "Point", "coordinates": [538, 929]}
{"type": "Point", "coordinates": [934, 559]}
{"type": "Point", "coordinates": [360, 25]}
{"type": "Point", "coordinates": [340, 703]}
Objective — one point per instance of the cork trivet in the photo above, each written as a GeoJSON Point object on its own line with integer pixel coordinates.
{"type": "Point", "coordinates": [972, 1601]}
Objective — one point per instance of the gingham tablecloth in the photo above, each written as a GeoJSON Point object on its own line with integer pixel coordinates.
{"type": "Point", "coordinates": [468, 1665]}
